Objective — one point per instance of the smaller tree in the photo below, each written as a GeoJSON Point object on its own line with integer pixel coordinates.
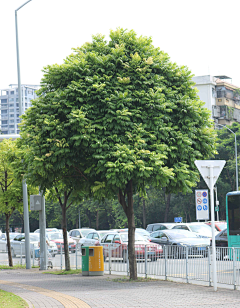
{"type": "Point", "coordinates": [10, 184]}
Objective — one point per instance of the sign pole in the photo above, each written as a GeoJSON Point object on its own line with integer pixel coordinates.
{"type": "Point", "coordinates": [213, 229]}
{"type": "Point", "coordinates": [210, 171]}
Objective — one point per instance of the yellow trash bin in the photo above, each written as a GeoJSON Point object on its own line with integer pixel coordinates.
{"type": "Point", "coordinates": [96, 263]}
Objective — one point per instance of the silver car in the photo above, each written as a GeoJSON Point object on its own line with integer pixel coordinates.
{"type": "Point", "coordinates": [3, 240]}
{"type": "Point", "coordinates": [18, 243]}
{"type": "Point", "coordinates": [93, 238]}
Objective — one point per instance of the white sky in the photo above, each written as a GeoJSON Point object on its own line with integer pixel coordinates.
{"type": "Point", "coordinates": [203, 35]}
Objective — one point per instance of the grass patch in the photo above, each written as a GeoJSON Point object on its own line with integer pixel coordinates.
{"type": "Point", "coordinates": [8, 299]}
{"type": "Point", "coordinates": [127, 279]}
{"type": "Point", "coordinates": [63, 272]}
{"type": "Point", "coordinates": [17, 266]}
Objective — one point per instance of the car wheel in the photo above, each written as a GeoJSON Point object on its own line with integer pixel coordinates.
{"type": "Point", "coordinates": [124, 256]}
{"type": "Point", "coordinates": [13, 253]}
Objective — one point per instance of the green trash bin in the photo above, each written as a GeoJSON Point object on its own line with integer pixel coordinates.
{"type": "Point", "coordinates": [85, 261]}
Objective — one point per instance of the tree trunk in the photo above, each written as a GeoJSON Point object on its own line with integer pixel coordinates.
{"type": "Point", "coordinates": [144, 214]}
{"type": "Point", "coordinates": [167, 202]}
{"type": "Point", "coordinates": [97, 219]}
{"type": "Point", "coordinates": [129, 211]}
{"type": "Point", "coordinates": [65, 237]}
{"type": "Point", "coordinates": [10, 262]}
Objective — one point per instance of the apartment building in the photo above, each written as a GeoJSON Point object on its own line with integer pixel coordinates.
{"type": "Point", "coordinates": [221, 97]}
{"type": "Point", "coordinates": [9, 106]}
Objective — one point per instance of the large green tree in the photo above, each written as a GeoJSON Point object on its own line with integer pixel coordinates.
{"type": "Point", "coordinates": [123, 115]}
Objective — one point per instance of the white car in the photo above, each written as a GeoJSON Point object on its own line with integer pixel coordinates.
{"type": "Point", "coordinates": [18, 244]}
{"type": "Point", "coordinates": [3, 240]}
{"type": "Point", "coordinates": [93, 238]}
{"type": "Point", "coordinates": [200, 228]}
{"type": "Point", "coordinates": [77, 234]}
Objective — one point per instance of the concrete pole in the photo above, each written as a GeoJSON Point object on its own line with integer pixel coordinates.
{"type": "Point", "coordinates": [24, 185]}
{"type": "Point", "coordinates": [214, 265]}
{"type": "Point", "coordinates": [26, 225]}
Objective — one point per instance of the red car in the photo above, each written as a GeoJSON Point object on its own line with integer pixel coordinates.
{"type": "Point", "coordinates": [57, 237]}
{"type": "Point", "coordinates": [116, 245]}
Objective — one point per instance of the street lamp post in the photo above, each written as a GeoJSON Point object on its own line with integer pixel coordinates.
{"type": "Point", "coordinates": [235, 153]}
{"type": "Point", "coordinates": [24, 184]}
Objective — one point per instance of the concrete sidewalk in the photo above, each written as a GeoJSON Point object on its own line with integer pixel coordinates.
{"type": "Point", "coordinates": [46, 290]}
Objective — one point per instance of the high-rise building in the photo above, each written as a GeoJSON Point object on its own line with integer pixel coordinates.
{"type": "Point", "coordinates": [9, 106]}
{"type": "Point", "coordinates": [221, 97]}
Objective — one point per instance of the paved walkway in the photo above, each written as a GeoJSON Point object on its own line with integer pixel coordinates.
{"type": "Point", "coordinates": [72, 291]}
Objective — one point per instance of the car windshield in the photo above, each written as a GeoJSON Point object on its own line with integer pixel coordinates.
{"type": "Point", "coordinates": [182, 234]}
{"type": "Point", "coordinates": [138, 237]}
{"type": "Point", "coordinates": [85, 232]}
{"type": "Point", "coordinates": [55, 236]}
{"type": "Point", "coordinates": [142, 232]}
{"type": "Point", "coordinates": [201, 228]}
{"type": "Point", "coordinates": [34, 237]}
{"type": "Point", "coordinates": [222, 226]}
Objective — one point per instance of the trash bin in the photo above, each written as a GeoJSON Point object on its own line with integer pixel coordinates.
{"type": "Point", "coordinates": [85, 261]}
{"type": "Point", "coordinates": [96, 263]}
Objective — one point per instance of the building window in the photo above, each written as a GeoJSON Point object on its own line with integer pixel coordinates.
{"type": "Point", "coordinates": [4, 111]}
{"type": "Point", "coordinates": [11, 115]}
{"type": "Point", "coordinates": [11, 105]}
{"type": "Point", "coordinates": [11, 132]}
{"type": "Point", "coordinates": [17, 105]}
{"type": "Point", "coordinates": [11, 99]}
{"type": "Point", "coordinates": [18, 131]}
{"type": "Point", "coordinates": [4, 106]}
{"type": "Point", "coordinates": [4, 100]}
{"type": "Point", "coordinates": [11, 121]}
{"type": "Point", "coordinates": [11, 126]}
{"type": "Point", "coordinates": [4, 132]}
{"type": "Point", "coordinates": [4, 122]}
{"type": "Point", "coordinates": [11, 110]}
{"type": "Point", "coordinates": [12, 93]}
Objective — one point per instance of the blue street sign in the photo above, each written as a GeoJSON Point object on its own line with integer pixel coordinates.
{"type": "Point", "coordinates": [205, 207]}
{"type": "Point", "coordinates": [204, 200]}
{"type": "Point", "coordinates": [199, 208]}
{"type": "Point", "coordinates": [177, 219]}
{"type": "Point", "coordinates": [204, 194]}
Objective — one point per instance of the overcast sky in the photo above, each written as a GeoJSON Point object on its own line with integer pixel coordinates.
{"type": "Point", "coordinates": [203, 35]}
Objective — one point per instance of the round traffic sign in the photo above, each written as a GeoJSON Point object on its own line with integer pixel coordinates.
{"type": "Point", "coordinates": [204, 200]}
{"type": "Point", "coordinates": [204, 194]}
{"type": "Point", "coordinates": [199, 208]}
{"type": "Point", "coordinates": [205, 207]}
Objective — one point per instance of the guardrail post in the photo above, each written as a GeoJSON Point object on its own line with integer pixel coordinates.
{"type": "Point", "coordinates": [234, 268]}
{"type": "Point", "coordinates": [76, 256]}
{"type": "Point", "coordinates": [109, 258]}
{"type": "Point", "coordinates": [145, 252]}
{"type": "Point", "coordinates": [186, 263]}
{"type": "Point", "coordinates": [127, 263]}
{"type": "Point", "coordinates": [61, 254]}
{"type": "Point", "coordinates": [21, 252]}
{"type": "Point", "coordinates": [166, 256]}
{"type": "Point", "coordinates": [209, 264]}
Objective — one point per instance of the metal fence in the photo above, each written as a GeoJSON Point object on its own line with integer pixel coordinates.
{"type": "Point", "coordinates": [170, 263]}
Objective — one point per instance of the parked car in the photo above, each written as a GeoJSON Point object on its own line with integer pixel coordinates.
{"type": "Point", "coordinates": [219, 225]}
{"type": "Point", "coordinates": [93, 238]}
{"type": "Point", "coordinates": [48, 230]}
{"type": "Point", "coordinates": [57, 237]}
{"type": "Point", "coordinates": [141, 231]}
{"type": "Point", "coordinates": [180, 240]}
{"type": "Point", "coordinates": [119, 243]}
{"type": "Point", "coordinates": [221, 240]}
{"type": "Point", "coordinates": [200, 228]}
{"type": "Point", "coordinates": [3, 240]}
{"type": "Point", "coordinates": [77, 234]}
{"type": "Point", "coordinates": [159, 226]}
{"type": "Point", "coordinates": [18, 243]}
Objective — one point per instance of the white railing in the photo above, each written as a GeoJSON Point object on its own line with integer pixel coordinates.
{"type": "Point", "coordinates": [171, 262]}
